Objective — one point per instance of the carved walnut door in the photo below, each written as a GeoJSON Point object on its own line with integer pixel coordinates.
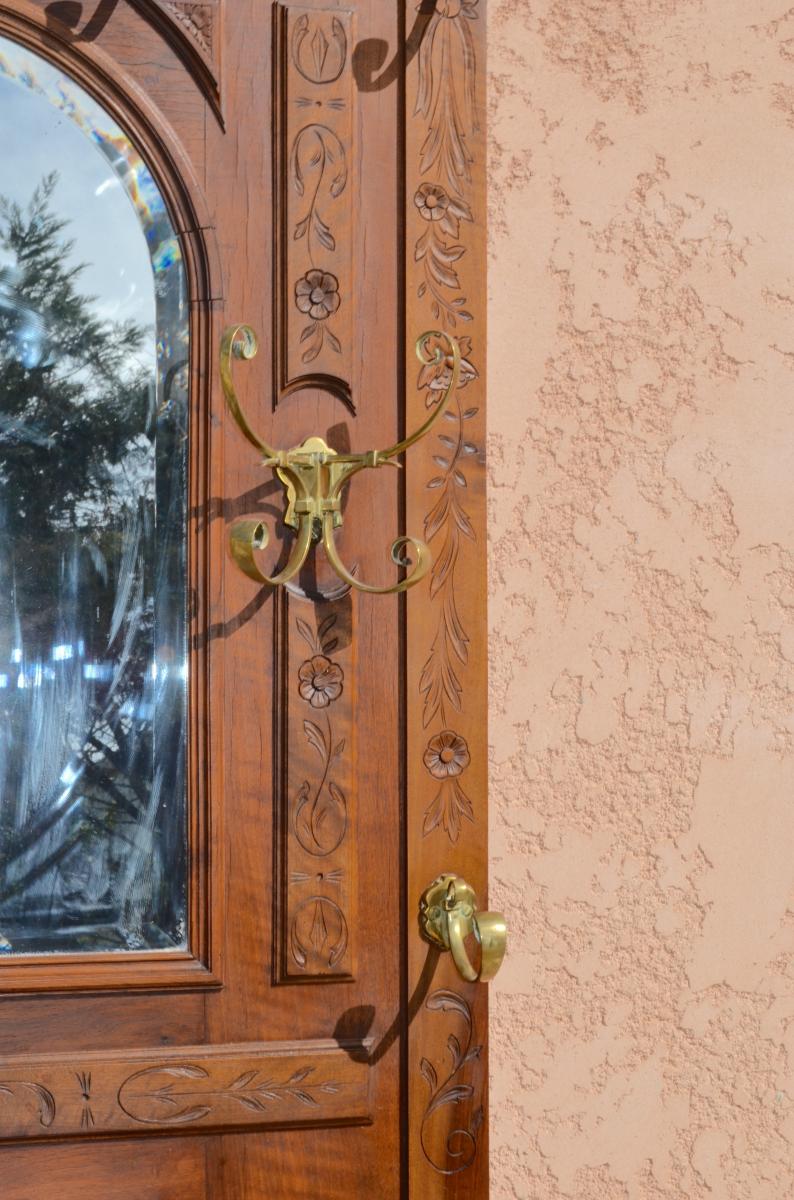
{"type": "Point", "coordinates": [220, 799]}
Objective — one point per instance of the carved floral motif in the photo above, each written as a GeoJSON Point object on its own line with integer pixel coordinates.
{"type": "Point", "coordinates": [318, 155]}
{"type": "Point", "coordinates": [446, 758]}
{"type": "Point", "coordinates": [317, 293]}
{"type": "Point", "coordinates": [445, 100]}
{"type": "Point", "coordinates": [443, 199]}
{"type": "Point", "coordinates": [320, 820]}
{"type": "Point", "coordinates": [197, 19]}
{"type": "Point", "coordinates": [447, 755]}
{"type": "Point", "coordinates": [450, 1089]}
{"type": "Point", "coordinates": [316, 928]}
{"type": "Point", "coordinates": [438, 254]}
{"type": "Point", "coordinates": [321, 681]}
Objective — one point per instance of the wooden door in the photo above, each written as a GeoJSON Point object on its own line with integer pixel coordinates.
{"type": "Point", "coordinates": [212, 978]}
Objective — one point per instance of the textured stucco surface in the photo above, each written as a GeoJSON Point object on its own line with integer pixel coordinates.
{"type": "Point", "coordinates": [641, 449]}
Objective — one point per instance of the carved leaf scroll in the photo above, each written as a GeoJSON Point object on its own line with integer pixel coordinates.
{"type": "Point", "coordinates": [445, 211]}
{"type": "Point", "coordinates": [451, 1150]}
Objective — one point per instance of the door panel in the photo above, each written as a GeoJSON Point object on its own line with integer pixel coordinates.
{"type": "Point", "coordinates": [304, 1041]}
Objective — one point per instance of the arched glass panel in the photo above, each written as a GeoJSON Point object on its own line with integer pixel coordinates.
{"type": "Point", "coordinates": [93, 428]}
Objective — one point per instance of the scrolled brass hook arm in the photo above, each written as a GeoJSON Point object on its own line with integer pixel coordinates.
{"type": "Point", "coordinates": [314, 475]}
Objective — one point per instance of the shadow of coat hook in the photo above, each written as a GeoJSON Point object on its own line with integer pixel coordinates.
{"type": "Point", "coordinates": [63, 17]}
{"type": "Point", "coordinates": [370, 55]}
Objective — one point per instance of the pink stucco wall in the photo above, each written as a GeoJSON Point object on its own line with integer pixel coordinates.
{"type": "Point", "coordinates": [641, 449]}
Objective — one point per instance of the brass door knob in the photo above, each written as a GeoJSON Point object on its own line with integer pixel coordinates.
{"type": "Point", "coordinates": [448, 915]}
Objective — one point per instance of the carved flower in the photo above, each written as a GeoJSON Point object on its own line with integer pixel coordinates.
{"type": "Point", "coordinates": [435, 376]}
{"type": "Point", "coordinates": [447, 755]}
{"type": "Point", "coordinates": [317, 293]}
{"type": "Point", "coordinates": [436, 205]}
{"type": "Point", "coordinates": [432, 201]}
{"type": "Point", "coordinates": [320, 681]}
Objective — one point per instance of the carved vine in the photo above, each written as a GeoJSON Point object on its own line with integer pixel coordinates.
{"type": "Point", "coordinates": [447, 524]}
{"type": "Point", "coordinates": [460, 1145]}
{"type": "Point", "coordinates": [327, 152]}
{"type": "Point", "coordinates": [169, 1104]}
{"type": "Point", "coordinates": [445, 100]}
{"type": "Point", "coordinates": [317, 152]}
{"type": "Point", "coordinates": [438, 255]}
{"type": "Point", "coordinates": [321, 807]}
{"type": "Point", "coordinates": [317, 292]}
{"type": "Point", "coordinates": [318, 924]}
{"type": "Point", "coordinates": [20, 1089]}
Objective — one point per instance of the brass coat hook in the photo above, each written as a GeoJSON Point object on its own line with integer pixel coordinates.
{"type": "Point", "coordinates": [314, 475]}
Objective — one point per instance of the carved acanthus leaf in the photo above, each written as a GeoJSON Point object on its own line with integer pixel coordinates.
{"type": "Point", "coordinates": [197, 18]}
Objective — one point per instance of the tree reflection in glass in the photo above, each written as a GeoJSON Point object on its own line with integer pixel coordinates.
{"type": "Point", "coordinates": [93, 426]}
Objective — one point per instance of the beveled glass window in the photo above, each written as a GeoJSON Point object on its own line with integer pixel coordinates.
{"type": "Point", "coordinates": [93, 463]}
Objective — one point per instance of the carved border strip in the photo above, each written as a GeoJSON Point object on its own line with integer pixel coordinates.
{"type": "Point", "coordinates": [235, 1086]}
{"type": "Point", "coordinates": [315, 918]}
{"type": "Point", "coordinates": [447, 668]}
{"type": "Point", "coordinates": [314, 189]}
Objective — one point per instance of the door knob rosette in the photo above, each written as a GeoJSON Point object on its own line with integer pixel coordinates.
{"type": "Point", "coordinates": [448, 915]}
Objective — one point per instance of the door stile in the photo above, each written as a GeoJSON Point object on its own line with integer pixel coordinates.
{"type": "Point", "coordinates": [445, 257]}
{"type": "Point", "coordinates": [307, 953]}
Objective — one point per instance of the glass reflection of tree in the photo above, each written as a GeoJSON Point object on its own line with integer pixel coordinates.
{"type": "Point", "coordinates": [88, 560]}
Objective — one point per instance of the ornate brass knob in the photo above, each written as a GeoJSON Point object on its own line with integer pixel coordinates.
{"type": "Point", "coordinates": [448, 915]}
